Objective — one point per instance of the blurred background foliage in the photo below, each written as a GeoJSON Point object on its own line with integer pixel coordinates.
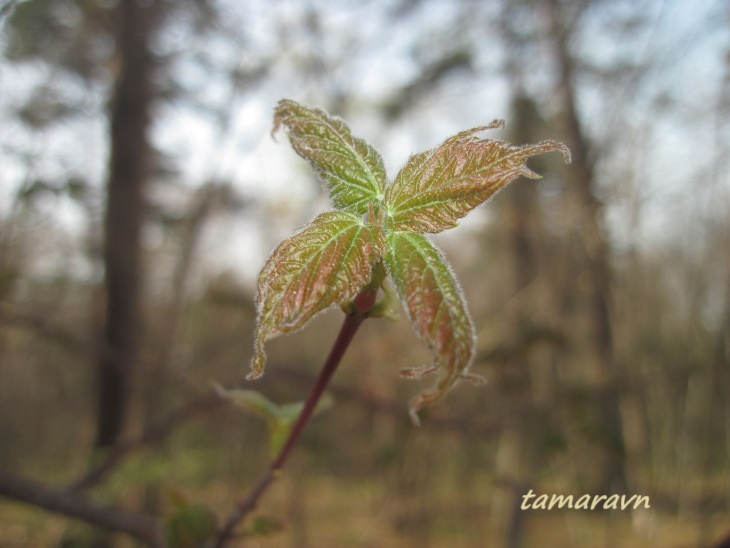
{"type": "Point", "coordinates": [140, 192]}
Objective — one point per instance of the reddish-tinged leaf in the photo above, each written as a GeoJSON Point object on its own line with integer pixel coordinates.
{"type": "Point", "coordinates": [325, 263]}
{"type": "Point", "coordinates": [437, 187]}
{"type": "Point", "coordinates": [350, 168]}
{"type": "Point", "coordinates": [436, 308]}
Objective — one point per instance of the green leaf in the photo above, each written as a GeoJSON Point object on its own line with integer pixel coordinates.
{"type": "Point", "coordinates": [251, 401]}
{"type": "Point", "coordinates": [437, 187]}
{"type": "Point", "coordinates": [436, 308]}
{"type": "Point", "coordinates": [351, 169]}
{"type": "Point", "coordinates": [289, 412]}
{"type": "Point", "coordinates": [264, 526]}
{"type": "Point", "coordinates": [325, 263]}
{"type": "Point", "coordinates": [279, 418]}
{"type": "Point", "coordinates": [190, 526]}
{"type": "Point", "coordinates": [287, 415]}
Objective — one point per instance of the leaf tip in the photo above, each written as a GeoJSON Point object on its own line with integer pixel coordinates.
{"type": "Point", "coordinates": [277, 123]}
{"type": "Point", "coordinates": [418, 372]}
{"type": "Point", "coordinates": [528, 173]}
{"type": "Point", "coordinates": [413, 414]}
{"type": "Point", "coordinates": [420, 401]}
{"type": "Point", "coordinates": [219, 390]}
{"type": "Point", "coordinates": [257, 365]}
{"type": "Point", "coordinates": [283, 109]}
{"type": "Point", "coordinates": [566, 153]}
{"type": "Point", "coordinates": [560, 147]}
{"type": "Point", "coordinates": [473, 378]}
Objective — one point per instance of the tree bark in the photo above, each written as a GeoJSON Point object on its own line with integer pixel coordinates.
{"type": "Point", "coordinates": [128, 171]}
{"type": "Point", "coordinates": [516, 464]}
{"type": "Point", "coordinates": [596, 261]}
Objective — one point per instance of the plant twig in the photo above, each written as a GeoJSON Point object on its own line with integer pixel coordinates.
{"type": "Point", "coordinates": [362, 304]}
{"type": "Point", "coordinates": [142, 527]}
{"type": "Point", "coordinates": [154, 432]}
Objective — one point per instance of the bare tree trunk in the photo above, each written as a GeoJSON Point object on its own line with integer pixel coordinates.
{"type": "Point", "coordinates": [596, 257]}
{"type": "Point", "coordinates": [128, 170]}
{"type": "Point", "coordinates": [515, 456]}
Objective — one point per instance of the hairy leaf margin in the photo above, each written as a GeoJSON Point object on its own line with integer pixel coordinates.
{"type": "Point", "coordinates": [436, 309]}
{"type": "Point", "coordinates": [327, 262]}
{"type": "Point", "coordinates": [351, 169]}
{"type": "Point", "coordinates": [437, 187]}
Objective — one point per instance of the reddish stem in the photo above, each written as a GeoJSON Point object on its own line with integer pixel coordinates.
{"type": "Point", "coordinates": [362, 304]}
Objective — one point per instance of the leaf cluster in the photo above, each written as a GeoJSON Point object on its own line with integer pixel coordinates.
{"type": "Point", "coordinates": [379, 229]}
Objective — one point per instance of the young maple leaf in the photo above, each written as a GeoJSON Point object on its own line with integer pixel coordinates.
{"type": "Point", "coordinates": [374, 225]}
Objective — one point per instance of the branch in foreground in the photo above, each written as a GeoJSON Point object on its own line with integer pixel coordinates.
{"type": "Point", "coordinates": [363, 303]}
{"type": "Point", "coordinates": [142, 527]}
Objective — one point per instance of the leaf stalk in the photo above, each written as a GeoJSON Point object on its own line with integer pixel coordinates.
{"type": "Point", "coordinates": [363, 303]}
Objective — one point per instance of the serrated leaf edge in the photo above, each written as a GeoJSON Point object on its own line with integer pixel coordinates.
{"type": "Point", "coordinates": [449, 377]}
{"type": "Point", "coordinates": [294, 324]}
{"type": "Point", "coordinates": [418, 165]}
{"type": "Point", "coordinates": [376, 187]}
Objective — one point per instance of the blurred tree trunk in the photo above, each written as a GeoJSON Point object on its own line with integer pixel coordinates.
{"type": "Point", "coordinates": [595, 261]}
{"type": "Point", "coordinates": [515, 463]}
{"type": "Point", "coordinates": [129, 169]}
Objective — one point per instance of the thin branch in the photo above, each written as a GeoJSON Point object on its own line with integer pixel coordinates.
{"type": "Point", "coordinates": [151, 434]}
{"type": "Point", "coordinates": [70, 503]}
{"type": "Point", "coordinates": [363, 303]}
{"type": "Point", "coordinates": [142, 527]}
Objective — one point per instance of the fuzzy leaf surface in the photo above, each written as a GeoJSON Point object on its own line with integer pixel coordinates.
{"type": "Point", "coordinates": [437, 187]}
{"type": "Point", "coordinates": [323, 264]}
{"type": "Point", "coordinates": [436, 308]}
{"type": "Point", "coordinates": [351, 169]}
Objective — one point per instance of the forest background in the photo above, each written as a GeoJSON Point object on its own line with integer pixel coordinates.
{"type": "Point", "coordinates": [140, 193]}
